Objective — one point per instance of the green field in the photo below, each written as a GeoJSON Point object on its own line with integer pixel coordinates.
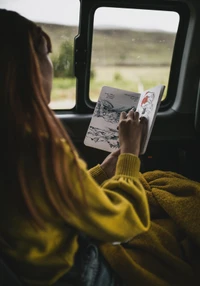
{"type": "Point", "coordinates": [131, 78]}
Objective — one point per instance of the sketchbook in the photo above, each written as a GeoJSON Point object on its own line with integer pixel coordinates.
{"type": "Point", "coordinates": [102, 132]}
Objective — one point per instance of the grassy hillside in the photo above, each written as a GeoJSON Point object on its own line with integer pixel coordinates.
{"type": "Point", "coordinates": [129, 47]}
{"type": "Point", "coordinates": [120, 46]}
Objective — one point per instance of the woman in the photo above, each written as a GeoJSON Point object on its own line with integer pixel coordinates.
{"type": "Point", "coordinates": [48, 198]}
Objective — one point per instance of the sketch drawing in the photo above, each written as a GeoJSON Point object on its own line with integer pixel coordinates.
{"type": "Point", "coordinates": [147, 103]}
{"type": "Point", "coordinates": [109, 136]}
{"type": "Point", "coordinates": [105, 109]}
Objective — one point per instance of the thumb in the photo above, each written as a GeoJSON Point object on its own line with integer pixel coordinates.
{"type": "Point", "coordinates": [116, 153]}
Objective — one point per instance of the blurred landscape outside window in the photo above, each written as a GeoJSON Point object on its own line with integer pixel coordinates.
{"type": "Point", "coordinates": [132, 49]}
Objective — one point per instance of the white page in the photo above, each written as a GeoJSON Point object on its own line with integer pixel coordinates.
{"type": "Point", "coordinates": [148, 105]}
{"type": "Point", "coordinates": [102, 132]}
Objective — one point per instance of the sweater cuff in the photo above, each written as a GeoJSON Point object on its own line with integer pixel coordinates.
{"type": "Point", "coordinates": [128, 165]}
{"type": "Point", "coordinates": [98, 174]}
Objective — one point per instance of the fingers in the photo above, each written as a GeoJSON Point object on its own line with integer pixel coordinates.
{"type": "Point", "coordinates": [143, 120]}
{"type": "Point", "coordinates": [131, 114]}
{"type": "Point", "coordinates": [123, 115]}
{"type": "Point", "coordinates": [134, 115]}
{"type": "Point", "coordinates": [132, 131]}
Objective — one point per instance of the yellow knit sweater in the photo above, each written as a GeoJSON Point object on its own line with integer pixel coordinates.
{"type": "Point", "coordinates": [168, 253]}
{"type": "Point", "coordinates": [41, 257]}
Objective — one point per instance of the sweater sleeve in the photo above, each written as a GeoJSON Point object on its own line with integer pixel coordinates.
{"type": "Point", "coordinates": [98, 174]}
{"type": "Point", "coordinates": [115, 211]}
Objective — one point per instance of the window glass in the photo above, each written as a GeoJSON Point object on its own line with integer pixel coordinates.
{"type": "Point", "coordinates": [59, 18]}
{"type": "Point", "coordinates": [132, 49]}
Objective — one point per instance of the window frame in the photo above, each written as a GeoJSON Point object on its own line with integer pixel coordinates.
{"type": "Point", "coordinates": [83, 47]}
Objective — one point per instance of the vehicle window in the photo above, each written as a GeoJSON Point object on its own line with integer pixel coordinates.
{"type": "Point", "coordinates": [132, 49]}
{"type": "Point", "coordinates": [59, 18]}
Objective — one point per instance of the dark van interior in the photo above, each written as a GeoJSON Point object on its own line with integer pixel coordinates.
{"type": "Point", "coordinates": [104, 50]}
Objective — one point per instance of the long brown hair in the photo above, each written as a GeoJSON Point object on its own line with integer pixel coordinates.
{"type": "Point", "coordinates": [24, 104]}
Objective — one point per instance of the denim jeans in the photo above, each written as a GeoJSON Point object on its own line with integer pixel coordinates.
{"type": "Point", "coordinates": [96, 271]}
{"type": "Point", "coordinates": [90, 268]}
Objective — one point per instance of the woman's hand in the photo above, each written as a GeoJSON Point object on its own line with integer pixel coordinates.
{"type": "Point", "coordinates": [109, 164]}
{"type": "Point", "coordinates": [132, 132]}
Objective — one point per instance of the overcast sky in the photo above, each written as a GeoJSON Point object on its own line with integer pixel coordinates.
{"type": "Point", "coordinates": [67, 12]}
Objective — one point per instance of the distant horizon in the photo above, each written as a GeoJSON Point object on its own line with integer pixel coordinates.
{"type": "Point", "coordinates": [107, 27]}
